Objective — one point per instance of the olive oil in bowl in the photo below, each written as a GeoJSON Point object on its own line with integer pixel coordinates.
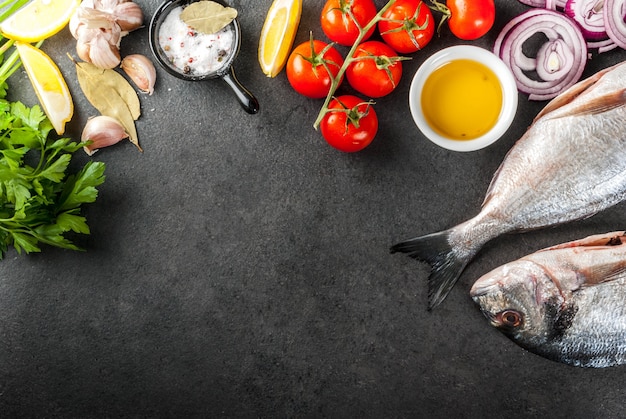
{"type": "Point", "coordinates": [463, 98]}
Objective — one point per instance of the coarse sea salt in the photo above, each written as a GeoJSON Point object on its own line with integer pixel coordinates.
{"type": "Point", "coordinates": [191, 52]}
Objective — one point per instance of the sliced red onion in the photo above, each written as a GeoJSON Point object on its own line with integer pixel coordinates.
{"type": "Point", "coordinates": [554, 61]}
{"type": "Point", "coordinates": [602, 46]}
{"type": "Point", "coordinates": [614, 14]}
{"type": "Point", "coordinates": [545, 4]}
{"type": "Point", "coordinates": [589, 14]}
{"type": "Point", "coordinates": [534, 3]}
{"type": "Point", "coordinates": [558, 64]}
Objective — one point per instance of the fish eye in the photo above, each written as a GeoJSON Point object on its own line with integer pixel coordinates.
{"type": "Point", "coordinates": [509, 318]}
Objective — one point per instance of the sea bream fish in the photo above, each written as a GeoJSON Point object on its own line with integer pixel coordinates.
{"type": "Point", "coordinates": [566, 303]}
{"type": "Point", "coordinates": [570, 164]}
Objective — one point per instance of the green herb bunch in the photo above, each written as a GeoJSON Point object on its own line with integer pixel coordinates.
{"type": "Point", "coordinates": [40, 202]}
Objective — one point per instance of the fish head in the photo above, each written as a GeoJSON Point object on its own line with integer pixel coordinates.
{"type": "Point", "coordinates": [514, 297]}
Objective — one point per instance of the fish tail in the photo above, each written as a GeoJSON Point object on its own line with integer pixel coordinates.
{"type": "Point", "coordinates": [446, 264]}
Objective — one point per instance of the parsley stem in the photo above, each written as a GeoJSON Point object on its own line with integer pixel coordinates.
{"type": "Point", "coordinates": [8, 7]}
{"type": "Point", "coordinates": [9, 66]}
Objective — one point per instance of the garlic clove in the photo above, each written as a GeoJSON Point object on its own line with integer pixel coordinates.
{"type": "Point", "coordinates": [114, 35]}
{"type": "Point", "coordinates": [141, 71]}
{"type": "Point", "coordinates": [75, 24]}
{"type": "Point", "coordinates": [102, 131]}
{"type": "Point", "coordinates": [82, 49]}
{"type": "Point", "coordinates": [102, 54]}
{"type": "Point", "coordinates": [128, 16]}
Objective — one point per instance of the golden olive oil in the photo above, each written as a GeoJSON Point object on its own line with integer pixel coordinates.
{"type": "Point", "coordinates": [462, 99]}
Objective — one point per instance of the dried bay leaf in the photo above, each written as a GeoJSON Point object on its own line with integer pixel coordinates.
{"type": "Point", "coordinates": [111, 94]}
{"type": "Point", "coordinates": [208, 16]}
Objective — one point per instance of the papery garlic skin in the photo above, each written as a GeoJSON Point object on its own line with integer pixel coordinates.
{"type": "Point", "coordinates": [128, 15]}
{"type": "Point", "coordinates": [102, 131]}
{"type": "Point", "coordinates": [141, 71]}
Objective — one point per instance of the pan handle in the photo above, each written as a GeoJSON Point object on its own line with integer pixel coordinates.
{"type": "Point", "coordinates": [249, 103]}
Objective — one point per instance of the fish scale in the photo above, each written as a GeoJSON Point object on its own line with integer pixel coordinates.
{"type": "Point", "coordinates": [570, 164]}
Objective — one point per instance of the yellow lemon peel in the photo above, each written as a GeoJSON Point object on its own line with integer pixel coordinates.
{"type": "Point", "coordinates": [278, 34]}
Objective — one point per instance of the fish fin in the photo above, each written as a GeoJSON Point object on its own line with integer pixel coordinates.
{"type": "Point", "coordinates": [606, 270]}
{"type": "Point", "coordinates": [446, 266]}
{"type": "Point", "coordinates": [570, 94]}
{"type": "Point", "coordinates": [611, 275]}
{"type": "Point", "coordinates": [614, 238]}
{"type": "Point", "coordinates": [598, 105]}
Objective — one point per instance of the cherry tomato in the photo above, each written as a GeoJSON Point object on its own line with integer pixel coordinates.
{"type": "Point", "coordinates": [407, 26]}
{"type": "Point", "coordinates": [350, 124]}
{"type": "Point", "coordinates": [308, 66]}
{"type": "Point", "coordinates": [471, 19]}
{"type": "Point", "coordinates": [376, 71]}
{"type": "Point", "coordinates": [339, 26]}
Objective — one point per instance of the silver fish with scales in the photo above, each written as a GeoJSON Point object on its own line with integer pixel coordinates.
{"type": "Point", "coordinates": [566, 303]}
{"type": "Point", "coordinates": [570, 164]}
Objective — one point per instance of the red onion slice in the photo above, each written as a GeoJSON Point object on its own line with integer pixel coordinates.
{"type": "Point", "coordinates": [545, 4]}
{"type": "Point", "coordinates": [558, 65]}
{"type": "Point", "coordinates": [554, 61]}
{"type": "Point", "coordinates": [602, 46]}
{"type": "Point", "coordinates": [614, 13]}
{"type": "Point", "coordinates": [589, 14]}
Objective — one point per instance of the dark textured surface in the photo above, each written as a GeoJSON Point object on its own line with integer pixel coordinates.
{"type": "Point", "coordinates": [239, 267]}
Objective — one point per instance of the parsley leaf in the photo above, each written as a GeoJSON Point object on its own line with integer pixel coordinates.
{"type": "Point", "coordinates": [39, 200]}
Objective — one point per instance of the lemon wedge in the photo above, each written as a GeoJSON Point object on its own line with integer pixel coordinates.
{"type": "Point", "coordinates": [278, 34]}
{"type": "Point", "coordinates": [49, 84]}
{"type": "Point", "coordinates": [38, 20]}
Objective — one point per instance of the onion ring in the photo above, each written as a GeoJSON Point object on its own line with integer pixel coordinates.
{"type": "Point", "coordinates": [546, 4]}
{"type": "Point", "coordinates": [603, 45]}
{"type": "Point", "coordinates": [614, 11]}
{"type": "Point", "coordinates": [589, 14]}
{"type": "Point", "coordinates": [562, 61]}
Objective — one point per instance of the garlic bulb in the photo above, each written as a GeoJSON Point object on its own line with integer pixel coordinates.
{"type": "Point", "coordinates": [141, 71]}
{"type": "Point", "coordinates": [99, 25]}
{"type": "Point", "coordinates": [102, 131]}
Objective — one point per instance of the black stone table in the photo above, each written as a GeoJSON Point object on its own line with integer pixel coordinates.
{"type": "Point", "coordinates": [240, 267]}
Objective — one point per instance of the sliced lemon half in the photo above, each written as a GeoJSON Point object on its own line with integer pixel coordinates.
{"type": "Point", "coordinates": [49, 84]}
{"type": "Point", "coordinates": [278, 34]}
{"type": "Point", "coordinates": [39, 19]}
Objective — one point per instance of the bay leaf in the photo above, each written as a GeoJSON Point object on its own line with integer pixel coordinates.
{"type": "Point", "coordinates": [208, 16]}
{"type": "Point", "coordinates": [112, 95]}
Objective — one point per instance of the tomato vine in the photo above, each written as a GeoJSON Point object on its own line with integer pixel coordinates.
{"type": "Point", "coordinates": [349, 59]}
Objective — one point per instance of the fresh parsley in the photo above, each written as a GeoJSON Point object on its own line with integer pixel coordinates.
{"type": "Point", "coordinates": [39, 200]}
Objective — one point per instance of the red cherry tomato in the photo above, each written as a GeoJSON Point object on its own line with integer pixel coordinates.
{"type": "Point", "coordinates": [376, 71]}
{"type": "Point", "coordinates": [339, 26]}
{"type": "Point", "coordinates": [407, 26]}
{"type": "Point", "coordinates": [471, 19]}
{"type": "Point", "coordinates": [308, 65]}
{"type": "Point", "coordinates": [350, 124]}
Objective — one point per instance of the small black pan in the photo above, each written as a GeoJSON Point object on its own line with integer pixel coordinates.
{"type": "Point", "coordinates": [225, 70]}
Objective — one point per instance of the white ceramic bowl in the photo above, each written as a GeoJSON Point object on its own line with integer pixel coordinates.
{"type": "Point", "coordinates": [485, 57]}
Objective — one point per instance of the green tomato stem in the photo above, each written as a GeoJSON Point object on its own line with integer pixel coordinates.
{"type": "Point", "coordinates": [349, 59]}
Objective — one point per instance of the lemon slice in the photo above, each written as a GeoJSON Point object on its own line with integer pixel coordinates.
{"type": "Point", "coordinates": [49, 84]}
{"type": "Point", "coordinates": [38, 20]}
{"type": "Point", "coordinates": [277, 35]}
